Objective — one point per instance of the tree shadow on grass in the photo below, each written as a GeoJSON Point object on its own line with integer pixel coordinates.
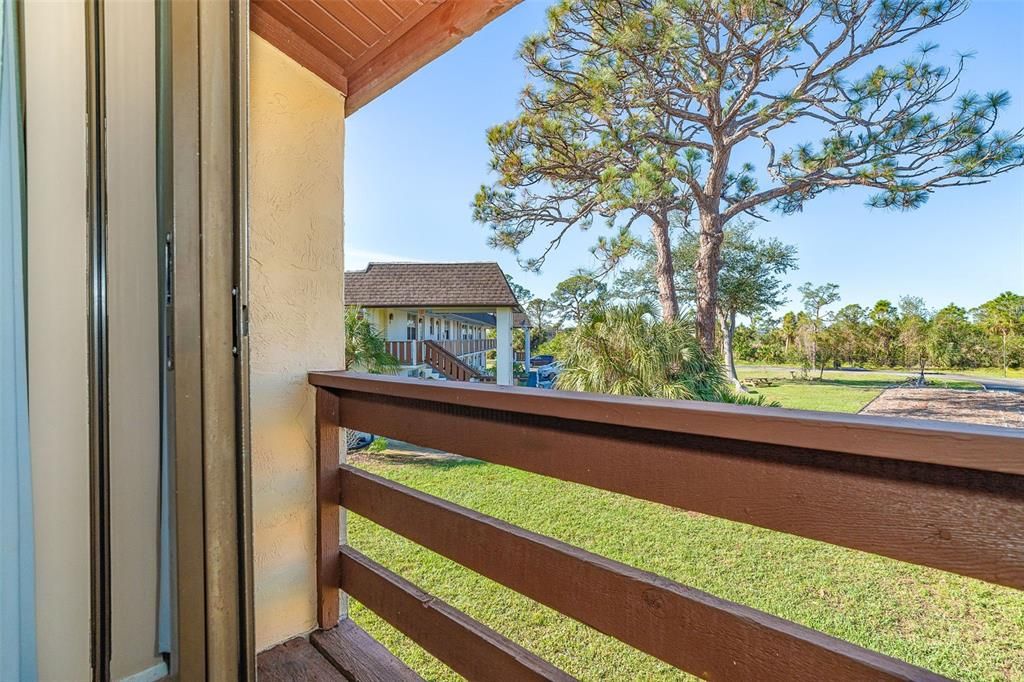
{"type": "Point", "coordinates": [840, 383]}
{"type": "Point", "coordinates": [404, 454]}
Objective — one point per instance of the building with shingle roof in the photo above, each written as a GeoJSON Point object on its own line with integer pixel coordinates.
{"type": "Point", "coordinates": [427, 310]}
{"type": "Point", "coordinates": [425, 285]}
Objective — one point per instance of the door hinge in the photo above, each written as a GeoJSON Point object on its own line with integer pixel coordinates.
{"type": "Point", "coordinates": [169, 301]}
{"type": "Point", "coordinates": [239, 321]}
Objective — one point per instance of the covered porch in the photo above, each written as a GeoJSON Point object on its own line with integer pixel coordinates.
{"type": "Point", "coordinates": [441, 320]}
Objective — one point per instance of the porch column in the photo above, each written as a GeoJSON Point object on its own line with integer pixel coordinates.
{"type": "Point", "coordinates": [504, 344]}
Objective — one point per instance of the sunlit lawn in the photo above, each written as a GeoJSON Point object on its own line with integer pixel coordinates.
{"type": "Point", "coordinates": [990, 372]}
{"type": "Point", "coordinates": [957, 626]}
{"type": "Point", "coordinates": [835, 392]}
{"type": "Point", "coordinates": [994, 372]}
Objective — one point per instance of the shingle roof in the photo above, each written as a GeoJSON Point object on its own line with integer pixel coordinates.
{"type": "Point", "coordinates": [487, 319]}
{"type": "Point", "coordinates": [383, 285]}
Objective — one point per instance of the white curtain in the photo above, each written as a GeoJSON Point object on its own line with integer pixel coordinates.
{"type": "Point", "coordinates": [17, 584]}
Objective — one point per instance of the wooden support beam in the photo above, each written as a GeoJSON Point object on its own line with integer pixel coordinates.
{"type": "Point", "coordinates": [329, 515]}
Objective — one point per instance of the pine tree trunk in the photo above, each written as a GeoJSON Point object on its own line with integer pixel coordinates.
{"type": "Point", "coordinates": [1004, 354]}
{"type": "Point", "coordinates": [709, 257]}
{"type": "Point", "coordinates": [814, 347]}
{"type": "Point", "coordinates": [664, 272]}
{"type": "Point", "coordinates": [728, 331]}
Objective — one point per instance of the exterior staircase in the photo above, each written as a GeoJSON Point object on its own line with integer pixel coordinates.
{"type": "Point", "coordinates": [448, 365]}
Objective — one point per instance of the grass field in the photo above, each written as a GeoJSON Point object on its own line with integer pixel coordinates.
{"type": "Point", "coordinates": [835, 392]}
{"type": "Point", "coordinates": [990, 372]}
{"type": "Point", "coordinates": [960, 627]}
{"type": "Point", "coordinates": [996, 372]}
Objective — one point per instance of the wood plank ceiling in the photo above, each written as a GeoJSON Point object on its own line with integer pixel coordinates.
{"type": "Point", "coordinates": [364, 47]}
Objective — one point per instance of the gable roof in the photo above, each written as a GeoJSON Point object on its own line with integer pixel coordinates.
{"type": "Point", "coordinates": [383, 285]}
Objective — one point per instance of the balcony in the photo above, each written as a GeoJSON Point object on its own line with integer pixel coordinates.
{"type": "Point", "coordinates": [926, 494]}
{"type": "Point", "coordinates": [413, 353]}
{"type": "Point", "coordinates": [947, 497]}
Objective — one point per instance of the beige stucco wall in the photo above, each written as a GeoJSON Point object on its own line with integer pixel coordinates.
{"type": "Point", "coordinates": [296, 139]}
{"type": "Point", "coordinates": [57, 326]}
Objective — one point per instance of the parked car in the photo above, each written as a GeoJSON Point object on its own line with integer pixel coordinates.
{"type": "Point", "coordinates": [541, 360]}
{"type": "Point", "coordinates": [549, 372]}
{"type": "Point", "coordinates": [357, 440]}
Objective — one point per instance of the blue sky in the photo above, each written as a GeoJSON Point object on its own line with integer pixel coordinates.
{"type": "Point", "coordinates": [416, 156]}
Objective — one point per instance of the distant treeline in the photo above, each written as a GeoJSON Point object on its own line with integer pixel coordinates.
{"type": "Point", "coordinates": [906, 334]}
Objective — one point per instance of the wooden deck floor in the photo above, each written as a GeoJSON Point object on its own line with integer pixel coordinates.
{"type": "Point", "coordinates": [342, 653]}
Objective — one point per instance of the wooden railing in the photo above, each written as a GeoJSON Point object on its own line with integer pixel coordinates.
{"type": "Point", "coordinates": [946, 496]}
{"type": "Point", "coordinates": [461, 347]}
{"type": "Point", "coordinates": [440, 360]}
{"type": "Point", "coordinates": [406, 352]}
{"type": "Point", "coordinates": [412, 352]}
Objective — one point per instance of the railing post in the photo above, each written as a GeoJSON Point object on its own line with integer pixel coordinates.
{"type": "Point", "coordinates": [330, 519]}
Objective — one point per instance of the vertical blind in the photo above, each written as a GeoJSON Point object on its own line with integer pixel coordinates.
{"type": "Point", "coordinates": [17, 589]}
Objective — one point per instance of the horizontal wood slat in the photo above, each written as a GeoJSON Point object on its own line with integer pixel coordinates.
{"type": "Point", "coordinates": [690, 629]}
{"type": "Point", "coordinates": [956, 519]}
{"type": "Point", "coordinates": [465, 645]}
{"type": "Point", "coordinates": [973, 446]}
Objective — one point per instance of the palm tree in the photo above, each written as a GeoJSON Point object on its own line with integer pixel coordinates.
{"type": "Point", "coordinates": [365, 347]}
{"type": "Point", "coordinates": [629, 350]}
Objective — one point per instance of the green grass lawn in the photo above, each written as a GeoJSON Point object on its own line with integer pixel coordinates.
{"type": "Point", "coordinates": [960, 627]}
{"type": "Point", "coordinates": [990, 372]}
{"type": "Point", "coordinates": [957, 626]}
{"type": "Point", "coordinates": [994, 372]}
{"type": "Point", "coordinates": [835, 392]}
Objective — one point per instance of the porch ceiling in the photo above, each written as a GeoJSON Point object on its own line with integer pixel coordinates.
{"type": "Point", "coordinates": [364, 47]}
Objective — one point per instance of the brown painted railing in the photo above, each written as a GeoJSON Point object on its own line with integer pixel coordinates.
{"type": "Point", "coordinates": [460, 347]}
{"type": "Point", "coordinates": [447, 364]}
{"type": "Point", "coordinates": [412, 352]}
{"type": "Point", "coordinates": [405, 351]}
{"type": "Point", "coordinates": [940, 495]}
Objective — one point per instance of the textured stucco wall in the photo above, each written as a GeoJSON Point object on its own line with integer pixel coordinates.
{"type": "Point", "coordinates": [57, 332]}
{"type": "Point", "coordinates": [296, 320]}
